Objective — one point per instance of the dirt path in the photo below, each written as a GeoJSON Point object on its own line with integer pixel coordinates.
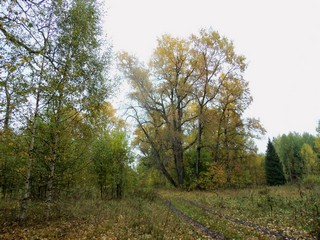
{"type": "Point", "coordinates": [197, 225]}
{"type": "Point", "coordinates": [256, 227]}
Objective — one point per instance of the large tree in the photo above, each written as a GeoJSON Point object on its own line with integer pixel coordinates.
{"type": "Point", "coordinates": [216, 68]}
{"type": "Point", "coordinates": [186, 79]}
{"type": "Point", "coordinates": [273, 167]}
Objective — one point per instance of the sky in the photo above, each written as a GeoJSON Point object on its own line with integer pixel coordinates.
{"type": "Point", "coordinates": [280, 40]}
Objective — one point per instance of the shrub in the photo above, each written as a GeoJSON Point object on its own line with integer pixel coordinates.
{"type": "Point", "coordinates": [311, 181]}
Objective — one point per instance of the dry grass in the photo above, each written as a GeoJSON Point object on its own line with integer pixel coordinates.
{"type": "Point", "coordinates": [135, 218]}
{"type": "Point", "coordinates": [292, 210]}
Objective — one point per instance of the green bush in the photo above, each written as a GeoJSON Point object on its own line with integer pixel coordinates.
{"type": "Point", "coordinates": [311, 181]}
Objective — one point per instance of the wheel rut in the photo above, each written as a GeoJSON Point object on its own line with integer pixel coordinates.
{"type": "Point", "coordinates": [256, 227]}
{"type": "Point", "coordinates": [195, 224]}
{"type": "Point", "coordinates": [213, 234]}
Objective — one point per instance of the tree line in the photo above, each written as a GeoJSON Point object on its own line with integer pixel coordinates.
{"type": "Point", "coordinates": [62, 139]}
{"type": "Point", "coordinates": [296, 156]}
{"type": "Point", "coordinates": [55, 118]}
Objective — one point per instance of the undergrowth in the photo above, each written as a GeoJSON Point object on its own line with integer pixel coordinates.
{"type": "Point", "coordinates": [131, 218]}
{"type": "Point", "coordinates": [292, 210]}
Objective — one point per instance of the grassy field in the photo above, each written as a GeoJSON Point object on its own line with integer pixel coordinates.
{"type": "Point", "coordinates": [235, 214]}
{"type": "Point", "coordinates": [292, 211]}
{"type": "Point", "coordinates": [134, 218]}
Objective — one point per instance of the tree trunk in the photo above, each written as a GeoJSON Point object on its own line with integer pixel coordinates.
{"type": "Point", "coordinates": [52, 164]}
{"type": "Point", "coordinates": [178, 145]}
{"type": "Point", "coordinates": [198, 157]}
{"type": "Point", "coordinates": [177, 149]}
{"type": "Point", "coordinates": [26, 193]}
{"type": "Point", "coordinates": [158, 156]}
{"type": "Point", "coordinates": [178, 155]}
{"type": "Point", "coordinates": [119, 190]}
{"type": "Point", "coordinates": [8, 108]}
{"type": "Point", "coordinates": [165, 172]}
{"type": "Point", "coordinates": [34, 126]}
{"type": "Point", "coordinates": [4, 185]}
{"type": "Point", "coordinates": [199, 146]}
{"type": "Point", "coordinates": [49, 190]}
{"type": "Point", "coordinates": [6, 126]}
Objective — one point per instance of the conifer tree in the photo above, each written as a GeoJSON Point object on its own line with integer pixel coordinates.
{"type": "Point", "coordinates": [273, 167]}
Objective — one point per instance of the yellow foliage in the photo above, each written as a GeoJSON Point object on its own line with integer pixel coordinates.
{"type": "Point", "coordinates": [317, 144]}
{"type": "Point", "coordinates": [309, 158]}
{"type": "Point", "coordinates": [213, 178]}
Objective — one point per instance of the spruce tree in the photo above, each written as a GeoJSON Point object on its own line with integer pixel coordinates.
{"type": "Point", "coordinates": [273, 167]}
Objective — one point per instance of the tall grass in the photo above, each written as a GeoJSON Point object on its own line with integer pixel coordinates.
{"type": "Point", "coordinates": [134, 218]}
{"type": "Point", "coordinates": [292, 209]}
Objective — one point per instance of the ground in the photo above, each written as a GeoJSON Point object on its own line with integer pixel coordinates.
{"type": "Point", "coordinates": [289, 212]}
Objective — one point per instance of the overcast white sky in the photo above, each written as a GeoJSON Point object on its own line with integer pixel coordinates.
{"type": "Point", "coordinates": [280, 39]}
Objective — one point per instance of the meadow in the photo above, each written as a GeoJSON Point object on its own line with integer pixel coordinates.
{"type": "Point", "coordinates": [286, 212]}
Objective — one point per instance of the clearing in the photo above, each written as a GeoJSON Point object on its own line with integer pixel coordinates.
{"type": "Point", "coordinates": [288, 212]}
